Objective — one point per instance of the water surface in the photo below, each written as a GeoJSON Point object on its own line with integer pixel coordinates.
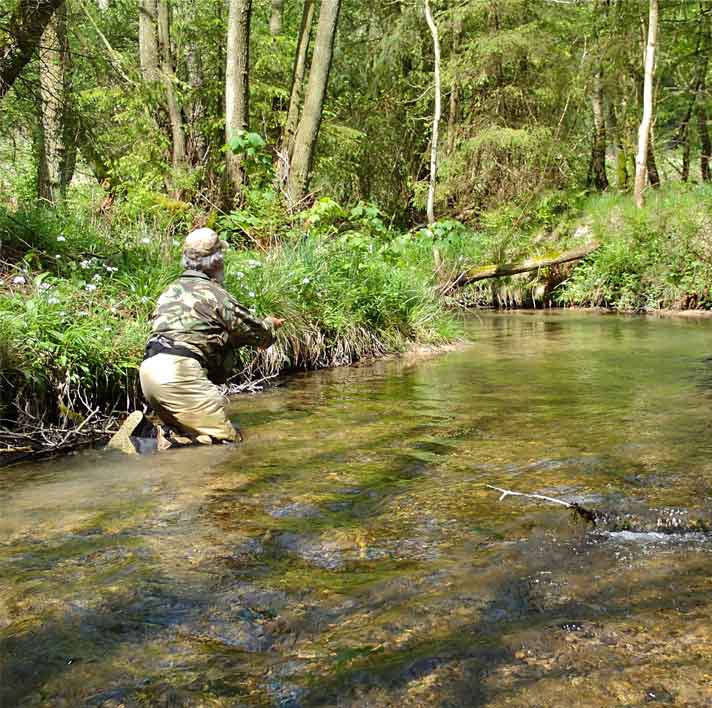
{"type": "Point", "coordinates": [350, 554]}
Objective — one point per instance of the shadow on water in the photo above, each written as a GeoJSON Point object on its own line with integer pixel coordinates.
{"type": "Point", "coordinates": [349, 553]}
{"type": "Point", "coordinates": [514, 626]}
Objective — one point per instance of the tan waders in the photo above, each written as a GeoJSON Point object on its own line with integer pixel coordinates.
{"type": "Point", "coordinates": [179, 391]}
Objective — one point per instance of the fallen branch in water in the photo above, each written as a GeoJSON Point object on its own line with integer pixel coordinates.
{"type": "Point", "coordinates": [588, 515]}
{"type": "Point", "coordinates": [472, 275]}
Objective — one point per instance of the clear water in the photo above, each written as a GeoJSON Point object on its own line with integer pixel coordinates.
{"type": "Point", "coordinates": [350, 554]}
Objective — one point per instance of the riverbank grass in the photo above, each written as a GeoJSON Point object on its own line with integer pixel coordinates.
{"type": "Point", "coordinates": [77, 296]}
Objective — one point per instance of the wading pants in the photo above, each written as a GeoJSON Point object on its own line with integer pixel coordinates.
{"type": "Point", "coordinates": [179, 391]}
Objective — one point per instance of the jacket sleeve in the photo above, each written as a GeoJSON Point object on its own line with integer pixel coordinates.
{"type": "Point", "coordinates": [244, 329]}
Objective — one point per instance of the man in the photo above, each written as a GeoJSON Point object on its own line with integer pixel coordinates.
{"type": "Point", "coordinates": [196, 326]}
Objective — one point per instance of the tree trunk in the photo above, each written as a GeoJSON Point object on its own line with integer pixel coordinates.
{"type": "Point", "coordinates": [275, 20]}
{"type": "Point", "coordinates": [308, 128]}
{"type": "Point", "coordinates": [197, 146]}
{"type": "Point", "coordinates": [685, 171]}
{"type": "Point", "coordinates": [652, 167]}
{"type": "Point", "coordinates": [436, 115]}
{"type": "Point", "coordinates": [90, 151]}
{"type": "Point", "coordinates": [705, 143]}
{"type": "Point", "coordinates": [454, 112]}
{"type": "Point", "coordinates": [147, 39]}
{"type": "Point", "coordinates": [53, 172]}
{"type": "Point", "coordinates": [28, 22]}
{"type": "Point", "coordinates": [178, 152]}
{"type": "Point", "coordinates": [621, 155]}
{"type": "Point", "coordinates": [237, 95]}
{"type": "Point", "coordinates": [641, 158]}
{"type": "Point", "coordinates": [598, 148]}
{"type": "Point", "coordinates": [702, 57]}
{"type": "Point", "coordinates": [295, 98]}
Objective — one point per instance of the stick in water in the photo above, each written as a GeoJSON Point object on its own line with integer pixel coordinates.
{"type": "Point", "coordinates": [579, 510]}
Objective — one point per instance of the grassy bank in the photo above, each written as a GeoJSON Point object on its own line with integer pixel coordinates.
{"type": "Point", "coordinates": [78, 292]}
{"type": "Point", "coordinates": [651, 259]}
{"type": "Point", "coordinates": [656, 258]}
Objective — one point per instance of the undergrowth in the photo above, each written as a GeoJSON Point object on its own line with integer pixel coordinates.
{"type": "Point", "coordinates": [652, 258]}
{"type": "Point", "coordinates": [78, 293]}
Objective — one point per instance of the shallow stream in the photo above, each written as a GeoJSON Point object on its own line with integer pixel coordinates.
{"type": "Point", "coordinates": [350, 554]}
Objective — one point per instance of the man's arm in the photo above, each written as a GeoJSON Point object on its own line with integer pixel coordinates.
{"type": "Point", "coordinates": [246, 330]}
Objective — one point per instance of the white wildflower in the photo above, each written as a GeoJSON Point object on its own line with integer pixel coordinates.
{"type": "Point", "coordinates": [43, 287]}
{"type": "Point", "coordinates": [18, 280]}
{"type": "Point", "coordinates": [253, 263]}
{"type": "Point", "coordinates": [145, 239]}
{"type": "Point", "coordinates": [53, 301]}
{"type": "Point", "coordinates": [239, 274]}
{"type": "Point", "coordinates": [96, 277]}
{"type": "Point", "coordinates": [251, 294]}
{"type": "Point", "coordinates": [144, 299]}
{"type": "Point", "coordinates": [81, 313]}
{"type": "Point", "coordinates": [107, 329]}
{"type": "Point", "coordinates": [90, 287]}
{"type": "Point", "coordinates": [85, 264]}
{"type": "Point", "coordinates": [306, 281]}
{"type": "Point", "coordinates": [61, 238]}
{"type": "Point", "coordinates": [57, 256]}
{"type": "Point", "coordinates": [62, 313]}
{"type": "Point", "coordinates": [176, 242]}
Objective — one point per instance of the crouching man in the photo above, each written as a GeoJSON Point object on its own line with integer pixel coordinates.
{"type": "Point", "coordinates": [196, 327]}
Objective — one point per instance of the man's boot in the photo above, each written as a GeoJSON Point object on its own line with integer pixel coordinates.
{"type": "Point", "coordinates": [122, 438]}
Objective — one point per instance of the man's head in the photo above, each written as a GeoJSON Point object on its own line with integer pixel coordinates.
{"type": "Point", "coordinates": [203, 251]}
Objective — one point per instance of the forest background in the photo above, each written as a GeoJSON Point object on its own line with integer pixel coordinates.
{"type": "Point", "coordinates": [303, 132]}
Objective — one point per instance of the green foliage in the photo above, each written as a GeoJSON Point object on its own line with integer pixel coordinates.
{"type": "Point", "coordinates": [658, 257]}
{"type": "Point", "coordinates": [75, 326]}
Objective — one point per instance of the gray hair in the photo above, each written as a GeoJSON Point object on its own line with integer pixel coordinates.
{"type": "Point", "coordinates": [205, 264]}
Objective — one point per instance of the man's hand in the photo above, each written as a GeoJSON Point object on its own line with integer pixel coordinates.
{"type": "Point", "coordinates": [276, 322]}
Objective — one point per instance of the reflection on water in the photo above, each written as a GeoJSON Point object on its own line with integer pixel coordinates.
{"type": "Point", "coordinates": [350, 554]}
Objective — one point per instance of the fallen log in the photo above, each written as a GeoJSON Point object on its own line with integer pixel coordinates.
{"type": "Point", "coordinates": [472, 275]}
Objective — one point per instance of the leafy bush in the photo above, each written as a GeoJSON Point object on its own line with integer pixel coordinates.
{"type": "Point", "coordinates": [657, 257]}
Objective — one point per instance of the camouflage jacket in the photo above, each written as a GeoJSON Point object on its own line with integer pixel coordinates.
{"type": "Point", "coordinates": [200, 315]}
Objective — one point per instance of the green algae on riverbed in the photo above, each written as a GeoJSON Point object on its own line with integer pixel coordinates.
{"type": "Point", "coordinates": [350, 554]}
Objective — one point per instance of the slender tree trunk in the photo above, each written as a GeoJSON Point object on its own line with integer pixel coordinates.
{"type": "Point", "coordinates": [197, 146]}
{"type": "Point", "coordinates": [28, 22]}
{"type": "Point", "coordinates": [685, 171]}
{"type": "Point", "coordinates": [454, 111]}
{"type": "Point", "coordinates": [641, 158]}
{"type": "Point", "coordinates": [598, 148]}
{"type": "Point", "coordinates": [178, 152]}
{"type": "Point", "coordinates": [702, 57]}
{"type": "Point", "coordinates": [237, 96]}
{"type": "Point", "coordinates": [436, 115]}
{"type": "Point", "coordinates": [308, 128]}
{"type": "Point", "coordinates": [53, 172]}
{"type": "Point", "coordinates": [275, 20]}
{"type": "Point", "coordinates": [621, 155]}
{"type": "Point", "coordinates": [92, 154]}
{"type": "Point", "coordinates": [651, 166]}
{"type": "Point", "coordinates": [147, 39]}
{"type": "Point", "coordinates": [705, 142]}
{"type": "Point", "coordinates": [295, 98]}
